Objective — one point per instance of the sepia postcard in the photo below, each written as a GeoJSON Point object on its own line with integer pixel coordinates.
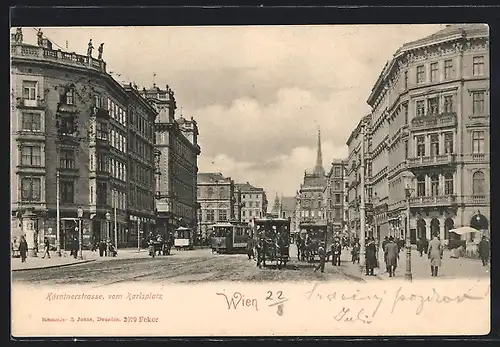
{"type": "Point", "coordinates": [322, 180]}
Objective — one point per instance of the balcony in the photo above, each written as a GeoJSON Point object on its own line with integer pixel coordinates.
{"type": "Point", "coordinates": [446, 159]}
{"type": "Point", "coordinates": [99, 112]}
{"type": "Point", "coordinates": [38, 103]}
{"type": "Point", "coordinates": [482, 158]}
{"type": "Point", "coordinates": [434, 121]}
{"type": "Point", "coordinates": [430, 201]}
{"type": "Point", "coordinates": [476, 199]}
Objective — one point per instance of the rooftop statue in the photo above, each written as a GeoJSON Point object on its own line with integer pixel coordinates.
{"type": "Point", "coordinates": [90, 48]}
{"type": "Point", "coordinates": [99, 50]}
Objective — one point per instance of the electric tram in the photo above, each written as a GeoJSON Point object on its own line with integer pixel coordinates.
{"type": "Point", "coordinates": [183, 238]}
{"type": "Point", "coordinates": [231, 237]}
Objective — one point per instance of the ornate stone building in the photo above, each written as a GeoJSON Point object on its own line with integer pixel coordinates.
{"type": "Point", "coordinates": [216, 199]}
{"type": "Point", "coordinates": [310, 194]}
{"type": "Point", "coordinates": [333, 196]}
{"type": "Point", "coordinates": [70, 126]}
{"type": "Point", "coordinates": [253, 202]}
{"type": "Point", "coordinates": [176, 153]}
{"type": "Point", "coordinates": [429, 131]}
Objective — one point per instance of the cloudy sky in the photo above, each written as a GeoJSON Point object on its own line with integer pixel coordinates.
{"type": "Point", "coordinates": [258, 94]}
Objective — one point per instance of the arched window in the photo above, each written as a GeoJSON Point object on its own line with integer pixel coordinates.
{"type": "Point", "coordinates": [210, 192]}
{"type": "Point", "coordinates": [421, 185]}
{"type": "Point", "coordinates": [435, 184]}
{"type": "Point", "coordinates": [448, 184]}
{"type": "Point", "coordinates": [478, 183]}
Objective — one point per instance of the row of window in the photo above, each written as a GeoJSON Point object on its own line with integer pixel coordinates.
{"type": "Point", "coordinates": [119, 199]}
{"type": "Point", "coordinates": [222, 215]}
{"type": "Point", "coordinates": [435, 185]}
{"type": "Point", "coordinates": [145, 127]}
{"type": "Point", "coordinates": [250, 196]}
{"type": "Point", "coordinates": [251, 213]}
{"type": "Point", "coordinates": [118, 141]}
{"type": "Point", "coordinates": [250, 204]}
{"type": "Point", "coordinates": [433, 106]}
{"type": "Point", "coordinates": [139, 173]}
{"type": "Point", "coordinates": [449, 70]}
{"type": "Point", "coordinates": [434, 144]}
{"type": "Point", "coordinates": [143, 199]}
{"type": "Point", "coordinates": [310, 213]}
{"type": "Point", "coordinates": [118, 169]}
{"type": "Point", "coordinates": [117, 113]}
{"type": "Point", "coordinates": [31, 190]}
{"type": "Point", "coordinates": [141, 148]}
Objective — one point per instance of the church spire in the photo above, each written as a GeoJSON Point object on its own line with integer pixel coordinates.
{"type": "Point", "coordinates": [318, 169]}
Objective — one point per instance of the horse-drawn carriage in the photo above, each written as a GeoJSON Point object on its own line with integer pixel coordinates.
{"type": "Point", "coordinates": [312, 234]}
{"type": "Point", "coordinates": [274, 237]}
{"type": "Point", "coordinates": [160, 245]}
{"type": "Point", "coordinates": [230, 237]}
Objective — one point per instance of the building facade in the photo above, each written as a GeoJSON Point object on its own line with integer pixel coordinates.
{"type": "Point", "coordinates": [253, 201]}
{"type": "Point", "coordinates": [216, 198]}
{"type": "Point", "coordinates": [70, 133]}
{"type": "Point", "coordinates": [176, 156]}
{"type": "Point", "coordinates": [333, 196]}
{"type": "Point", "coordinates": [429, 132]}
{"type": "Point", "coordinates": [310, 194]}
{"type": "Point", "coordinates": [358, 138]}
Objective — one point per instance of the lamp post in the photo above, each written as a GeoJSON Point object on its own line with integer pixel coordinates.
{"type": "Point", "coordinates": [408, 274]}
{"type": "Point", "coordinates": [362, 248]}
{"type": "Point", "coordinates": [80, 216]}
{"type": "Point", "coordinates": [58, 218]}
{"type": "Point", "coordinates": [108, 218]}
{"type": "Point", "coordinates": [138, 234]}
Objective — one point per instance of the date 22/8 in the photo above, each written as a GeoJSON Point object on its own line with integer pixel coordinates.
{"type": "Point", "coordinates": [281, 299]}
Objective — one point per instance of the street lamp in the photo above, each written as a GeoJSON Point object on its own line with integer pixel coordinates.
{"type": "Point", "coordinates": [108, 218]}
{"type": "Point", "coordinates": [408, 274]}
{"type": "Point", "coordinates": [80, 216]}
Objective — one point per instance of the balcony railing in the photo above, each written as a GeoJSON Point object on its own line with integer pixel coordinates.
{"type": "Point", "coordinates": [43, 53]}
{"type": "Point", "coordinates": [27, 103]}
{"type": "Point", "coordinates": [431, 161]}
{"type": "Point", "coordinates": [477, 157]}
{"type": "Point", "coordinates": [476, 199]}
{"type": "Point", "coordinates": [434, 121]}
{"type": "Point", "coordinates": [432, 200]}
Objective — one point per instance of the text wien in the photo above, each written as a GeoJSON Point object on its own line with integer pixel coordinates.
{"type": "Point", "coordinates": [239, 300]}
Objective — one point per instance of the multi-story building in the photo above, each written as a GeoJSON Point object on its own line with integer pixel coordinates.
{"type": "Point", "coordinates": [253, 201]}
{"type": "Point", "coordinates": [345, 193]}
{"type": "Point", "coordinates": [359, 137]}
{"type": "Point", "coordinates": [216, 199]}
{"type": "Point", "coordinates": [288, 210]}
{"type": "Point", "coordinates": [310, 194]}
{"type": "Point", "coordinates": [176, 152]}
{"type": "Point", "coordinates": [333, 196]}
{"type": "Point", "coordinates": [70, 133]}
{"type": "Point", "coordinates": [430, 133]}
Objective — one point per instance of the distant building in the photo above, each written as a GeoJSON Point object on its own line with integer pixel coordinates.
{"type": "Point", "coordinates": [216, 199]}
{"type": "Point", "coordinates": [176, 157]}
{"type": "Point", "coordinates": [310, 194]}
{"type": "Point", "coordinates": [253, 201]}
{"type": "Point", "coordinates": [334, 196]}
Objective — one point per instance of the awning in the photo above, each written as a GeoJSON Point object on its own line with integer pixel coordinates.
{"type": "Point", "coordinates": [464, 230]}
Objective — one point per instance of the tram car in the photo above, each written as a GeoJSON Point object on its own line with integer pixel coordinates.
{"type": "Point", "coordinates": [313, 233]}
{"type": "Point", "coordinates": [183, 238]}
{"type": "Point", "coordinates": [275, 236]}
{"type": "Point", "coordinates": [230, 237]}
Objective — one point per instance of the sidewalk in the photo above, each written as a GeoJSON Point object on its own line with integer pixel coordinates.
{"type": "Point", "coordinates": [38, 262]}
{"type": "Point", "coordinates": [451, 268]}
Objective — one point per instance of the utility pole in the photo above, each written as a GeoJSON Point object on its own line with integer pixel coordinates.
{"type": "Point", "coordinates": [58, 218]}
{"type": "Point", "coordinates": [362, 236]}
{"type": "Point", "coordinates": [408, 274]}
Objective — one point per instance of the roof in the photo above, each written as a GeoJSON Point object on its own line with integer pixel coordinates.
{"type": "Point", "coordinates": [211, 177]}
{"type": "Point", "coordinates": [449, 31]}
{"type": "Point", "coordinates": [247, 187]}
{"type": "Point", "coordinates": [312, 180]}
{"type": "Point", "coordinates": [288, 203]}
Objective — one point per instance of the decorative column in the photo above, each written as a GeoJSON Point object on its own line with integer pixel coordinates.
{"type": "Point", "coordinates": [441, 230]}
{"type": "Point", "coordinates": [428, 229]}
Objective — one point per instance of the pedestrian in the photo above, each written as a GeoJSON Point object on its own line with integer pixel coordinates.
{"type": "Point", "coordinates": [420, 246]}
{"type": "Point", "coordinates": [23, 249]}
{"type": "Point", "coordinates": [384, 242]}
{"type": "Point", "coordinates": [484, 250]}
{"type": "Point", "coordinates": [370, 257]}
{"type": "Point", "coordinates": [74, 247]}
{"type": "Point", "coordinates": [46, 248]}
{"type": "Point", "coordinates": [355, 252]}
{"type": "Point", "coordinates": [298, 241]}
{"type": "Point", "coordinates": [322, 258]}
{"type": "Point", "coordinates": [302, 249]}
{"type": "Point", "coordinates": [15, 248]}
{"type": "Point", "coordinates": [391, 252]}
{"type": "Point", "coordinates": [435, 254]}
{"type": "Point", "coordinates": [336, 250]}
{"type": "Point", "coordinates": [425, 244]}
{"type": "Point", "coordinates": [250, 252]}
{"type": "Point", "coordinates": [102, 248]}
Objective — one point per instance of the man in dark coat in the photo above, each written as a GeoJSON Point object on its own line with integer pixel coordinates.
{"type": "Point", "coordinates": [46, 248]}
{"type": "Point", "coordinates": [392, 255]}
{"type": "Point", "coordinates": [371, 257]}
{"type": "Point", "coordinates": [23, 249]}
{"type": "Point", "coordinates": [420, 246]}
{"type": "Point", "coordinates": [484, 250]}
{"type": "Point", "coordinates": [386, 240]}
{"type": "Point", "coordinates": [336, 249]}
{"type": "Point", "coordinates": [298, 241]}
{"type": "Point", "coordinates": [322, 258]}
{"type": "Point", "coordinates": [355, 252]}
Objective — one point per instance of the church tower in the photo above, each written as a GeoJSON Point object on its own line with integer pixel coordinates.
{"type": "Point", "coordinates": [318, 169]}
{"type": "Point", "coordinates": [276, 205]}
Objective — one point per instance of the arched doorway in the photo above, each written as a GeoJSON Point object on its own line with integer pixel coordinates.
{"type": "Point", "coordinates": [479, 222]}
{"type": "Point", "coordinates": [448, 225]}
{"type": "Point", "coordinates": [435, 227]}
{"type": "Point", "coordinates": [421, 228]}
